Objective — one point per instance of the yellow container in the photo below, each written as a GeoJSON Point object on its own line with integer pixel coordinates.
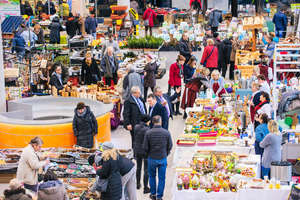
{"type": "Point", "coordinates": [58, 135]}
{"type": "Point", "coordinates": [119, 22]}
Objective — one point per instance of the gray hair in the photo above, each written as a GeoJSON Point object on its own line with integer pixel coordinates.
{"type": "Point", "coordinates": [135, 89]}
{"type": "Point", "coordinates": [37, 141]}
{"type": "Point", "coordinates": [156, 89]}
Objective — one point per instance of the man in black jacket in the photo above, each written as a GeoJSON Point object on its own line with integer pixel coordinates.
{"type": "Point", "coordinates": [165, 100]}
{"type": "Point", "coordinates": [139, 153]}
{"type": "Point", "coordinates": [56, 79]}
{"type": "Point", "coordinates": [85, 126]}
{"type": "Point", "coordinates": [157, 109]}
{"type": "Point", "coordinates": [134, 109]}
{"type": "Point", "coordinates": [185, 48]}
{"type": "Point", "coordinates": [157, 146]}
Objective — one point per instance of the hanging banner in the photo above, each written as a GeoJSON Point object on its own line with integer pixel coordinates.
{"type": "Point", "coordinates": [9, 7]}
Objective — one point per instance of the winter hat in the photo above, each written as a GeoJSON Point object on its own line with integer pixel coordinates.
{"type": "Point", "coordinates": [107, 146]}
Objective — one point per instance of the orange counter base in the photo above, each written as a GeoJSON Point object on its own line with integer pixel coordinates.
{"type": "Point", "coordinates": [59, 135]}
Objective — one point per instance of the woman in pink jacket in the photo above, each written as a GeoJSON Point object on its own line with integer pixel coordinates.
{"type": "Point", "coordinates": [148, 18]}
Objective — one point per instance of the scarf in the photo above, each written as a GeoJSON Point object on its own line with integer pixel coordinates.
{"type": "Point", "coordinates": [82, 114]}
{"type": "Point", "coordinates": [260, 105]}
{"type": "Point", "coordinates": [180, 69]}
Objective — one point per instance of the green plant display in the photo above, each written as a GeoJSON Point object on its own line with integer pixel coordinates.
{"type": "Point", "coordinates": [64, 60]}
{"type": "Point", "coordinates": [148, 42]}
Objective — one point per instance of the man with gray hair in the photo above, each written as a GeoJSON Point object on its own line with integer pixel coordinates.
{"type": "Point", "coordinates": [130, 80]}
{"type": "Point", "coordinates": [110, 66]}
{"type": "Point", "coordinates": [134, 109]}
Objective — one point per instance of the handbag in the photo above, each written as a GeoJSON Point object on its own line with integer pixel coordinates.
{"type": "Point", "coordinates": [205, 61]}
{"type": "Point", "coordinates": [146, 22]}
{"type": "Point", "coordinates": [101, 185]}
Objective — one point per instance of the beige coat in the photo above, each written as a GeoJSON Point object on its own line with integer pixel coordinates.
{"type": "Point", "coordinates": [29, 166]}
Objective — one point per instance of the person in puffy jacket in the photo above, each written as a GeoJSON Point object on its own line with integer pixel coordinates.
{"type": "Point", "coordinates": [52, 7]}
{"type": "Point", "coordinates": [85, 125]}
{"type": "Point", "coordinates": [27, 8]}
{"type": "Point", "coordinates": [55, 28]}
{"type": "Point", "coordinates": [215, 18]}
{"type": "Point", "coordinates": [71, 26]}
{"type": "Point", "coordinates": [39, 8]}
{"type": "Point", "coordinates": [91, 25]}
{"type": "Point", "coordinates": [18, 45]}
{"type": "Point", "coordinates": [16, 191]}
{"type": "Point", "coordinates": [280, 21]}
{"type": "Point", "coordinates": [51, 188]}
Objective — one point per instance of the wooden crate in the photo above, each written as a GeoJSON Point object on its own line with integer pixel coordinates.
{"type": "Point", "coordinates": [5, 178]}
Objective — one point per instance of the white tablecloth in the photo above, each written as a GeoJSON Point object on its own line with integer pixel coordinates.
{"type": "Point", "coordinates": [247, 194]}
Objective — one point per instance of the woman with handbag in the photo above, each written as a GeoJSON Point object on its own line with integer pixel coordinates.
{"type": "Point", "coordinates": [110, 171]}
{"type": "Point", "coordinates": [148, 18]}
{"type": "Point", "coordinates": [210, 56]}
{"type": "Point", "coordinates": [175, 75]}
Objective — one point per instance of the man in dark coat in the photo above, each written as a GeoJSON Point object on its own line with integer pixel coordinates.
{"type": "Point", "coordinates": [110, 66]}
{"type": "Point", "coordinates": [280, 21]}
{"type": "Point", "coordinates": [28, 9]}
{"type": "Point", "coordinates": [85, 126]}
{"type": "Point", "coordinates": [56, 79]}
{"type": "Point", "coordinates": [185, 48]}
{"type": "Point", "coordinates": [165, 100]}
{"type": "Point", "coordinates": [52, 8]}
{"type": "Point", "coordinates": [139, 153]}
{"type": "Point", "coordinates": [55, 28]}
{"type": "Point", "coordinates": [91, 25]}
{"type": "Point", "coordinates": [157, 145]}
{"type": "Point", "coordinates": [224, 55]}
{"type": "Point", "coordinates": [71, 26]}
{"type": "Point", "coordinates": [134, 109]}
{"type": "Point", "coordinates": [158, 109]}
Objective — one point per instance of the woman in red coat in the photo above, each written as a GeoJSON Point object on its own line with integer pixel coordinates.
{"type": "Point", "coordinates": [148, 18]}
{"type": "Point", "coordinates": [210, 56]}
{"type": "Point", "coordinates": [175, 75]}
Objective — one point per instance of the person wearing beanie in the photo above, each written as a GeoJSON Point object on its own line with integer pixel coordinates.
{"type": "Point", "coordinates": [85, 125]}
{"type": "Point", "coordinates": [139, 153]}
{"type": "Point", "coordinates": [16, 191]}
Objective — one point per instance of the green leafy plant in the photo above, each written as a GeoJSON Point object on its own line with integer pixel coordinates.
{"type": "Point", "coordinates": [148, 42]}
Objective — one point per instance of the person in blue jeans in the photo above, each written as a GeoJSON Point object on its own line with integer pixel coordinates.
{"type": "Point", "coordinates": [157, 146]}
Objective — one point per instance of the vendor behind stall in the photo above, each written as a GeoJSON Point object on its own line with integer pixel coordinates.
{"type": "Point", "coordinates": [90, 73]}
{"type": "Point", "coordinates": [30, 163]}
{"type": "Point", "coordinates": [110, 42]}
{"type": "Point", "coordinates": [217, 83]}
{"type": "Point", "coordinates": [56, 78]}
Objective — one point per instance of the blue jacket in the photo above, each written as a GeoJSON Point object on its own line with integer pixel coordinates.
{"type": "Point", "coordinates": [18, 43]}
{"type": "Point", "coordinates": [169, 99]}
{"type": "Point", "coordinates": [261, 131]}
{"type": "Point", "coordinates": [280, 21]}
{"type": "Point", "coordinates": [160, 110]}
{"type": "Point", "coordinates": [188, 73]}
{"type": "Point", "coordinates": [90, 25]}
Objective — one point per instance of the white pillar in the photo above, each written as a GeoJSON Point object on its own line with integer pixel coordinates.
{"type": "Point", "coordinates": [2, 82]}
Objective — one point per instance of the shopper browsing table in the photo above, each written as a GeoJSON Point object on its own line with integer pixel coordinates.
{"type": "Point", "coordinates": [134, 109]}
{"type": "Point", "coordinates": [157, 145]}
{"type": "Point", "coordinates": [217, 83]}
{"type": "Point", "coordinates": [272, 148]}
{"type": "Point", "coordinates": [260, 133]}
{"type": "Point", "coordinates": [30, 163]}
{"type": "Point", "coordinates": [16, 191]}
{"type": "Point", "coordinates": [155, 109]}
{"type": "Point", "coordinates": [85, 125]}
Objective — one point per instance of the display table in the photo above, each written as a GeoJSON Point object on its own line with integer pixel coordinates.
{"type": "Point", "coordinates": [246, 194]}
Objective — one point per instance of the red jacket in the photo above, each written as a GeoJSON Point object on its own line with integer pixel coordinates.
{"type": "Point", "coordinates": [212, 61]}
{"type": "Point", "coordinates": [199, 1]}
{"type": "Point", "coordinates": [175, 75]}
{"type": "Point", "coordinates": [149, 14]}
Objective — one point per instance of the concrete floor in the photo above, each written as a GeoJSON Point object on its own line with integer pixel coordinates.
{"type": "Point", "coordinates": [121, 137]}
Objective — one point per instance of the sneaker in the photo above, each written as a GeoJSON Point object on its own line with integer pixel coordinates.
{"type": "Point", "coordinates": [146, 190]}
{"type": "Point", "coordinates": [178, 113]}
{"type": "Point", "coordinates": [152, 196]}
{"type": "Point", "coordinates": [184, 115]}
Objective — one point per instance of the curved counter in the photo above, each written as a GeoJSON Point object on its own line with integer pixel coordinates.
{"type": "Point", "coordinates": [49, 118]}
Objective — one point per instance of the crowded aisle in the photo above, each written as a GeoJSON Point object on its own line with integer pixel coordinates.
{"type": "Point", "coordinates": [132, 100]}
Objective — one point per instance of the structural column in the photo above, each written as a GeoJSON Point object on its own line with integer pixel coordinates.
{"type": "Point", "coordinates": [2, 82]}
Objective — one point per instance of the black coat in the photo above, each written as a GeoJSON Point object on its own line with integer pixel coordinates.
{"type": "Point", "coordinates": [28, 10]}
{"type": "Point", "coordinates": [184, 49]}
{"type": "Point", "coordinates": [188, 73]}
{"type": "Point", "coordinates": [160, 110]}
{"type": "Point", "coordinates": [125, 165]}
{"type": "Point", "coordinates": [39, 7]}
{"type": "Point", "coordinates": [85, 127]}
{"type": "Point", "coordinates": [110, 170]}
{"type": "Point", "coordinates": [139, 134]}
{"type": "Point", "coordinates": [90, 74]}
{"type": "Point", "coordinates": [41, 38]}
{"type": "Point", "coordinates": [55, 28]}
{"type": "Point", "coordinates": [226, 47]}
{"type": "Point", "coordinates": [18, 194]}
{"type": "Point", "coordinates": [52, 8]}
{"type": "Point", "coordinates": [149, 79]}
{"type": "Point", "coordinates": [71, 26]}
{"type": "Point", "coordinates": [54, 81]}
{"type": "Point", "coordinates": [132, 114]}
